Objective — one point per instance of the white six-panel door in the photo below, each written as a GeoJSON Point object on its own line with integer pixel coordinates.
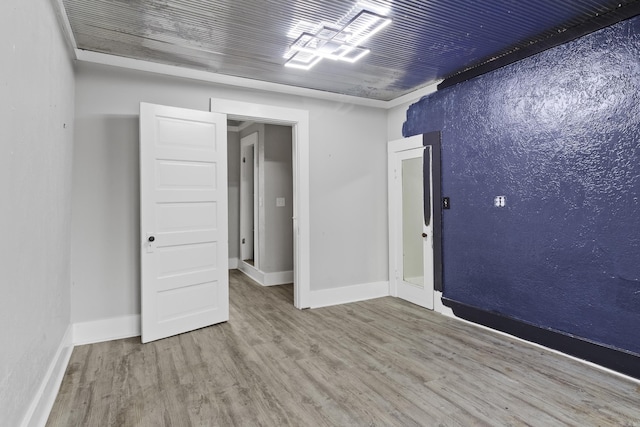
{"type": "Point", "coordinates": [183, 220]}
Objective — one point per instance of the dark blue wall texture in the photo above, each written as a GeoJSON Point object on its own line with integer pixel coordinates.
{"type": "Point", "coordinates": [558, 134]}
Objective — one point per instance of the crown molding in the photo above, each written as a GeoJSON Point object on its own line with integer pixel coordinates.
{"type": "Point", "coordinates": [176, 71]}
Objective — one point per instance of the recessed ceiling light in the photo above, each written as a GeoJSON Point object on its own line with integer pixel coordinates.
{"type": "Point", "coordinates": [339, 42]}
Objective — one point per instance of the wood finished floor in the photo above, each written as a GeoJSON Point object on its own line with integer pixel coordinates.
{"type": "Point", "coordinates": [383, 362]}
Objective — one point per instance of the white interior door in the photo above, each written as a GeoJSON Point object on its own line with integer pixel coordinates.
{"type": "Point", "coordinates": [411, 239]}
{"type": "Point", "coordinates": [248, 194]}
{"type": "Point", "coordinates": [183, 220]}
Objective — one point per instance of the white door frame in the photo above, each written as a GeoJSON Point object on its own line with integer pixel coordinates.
{"type": "Point", "coordinates": [299, 122]}
{"type": "Point", "coordinates": [393, 148]}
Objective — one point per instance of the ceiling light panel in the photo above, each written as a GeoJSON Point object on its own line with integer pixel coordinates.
{"type": "Point", "coordinates": [339, 42]}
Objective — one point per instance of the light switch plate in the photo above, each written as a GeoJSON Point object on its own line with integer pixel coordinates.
{"type": "Point", "coordinates": [279, 202]}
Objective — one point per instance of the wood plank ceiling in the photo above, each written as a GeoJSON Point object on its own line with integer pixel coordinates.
{"type": "Point", "coordinates": [428, 40]}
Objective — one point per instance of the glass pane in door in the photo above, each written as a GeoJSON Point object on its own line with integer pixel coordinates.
{"type": "Point", "coordinates": [412, 219]}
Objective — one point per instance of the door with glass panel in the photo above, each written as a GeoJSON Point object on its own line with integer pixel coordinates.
{"type": "Point", "coordinates": [410, 228]}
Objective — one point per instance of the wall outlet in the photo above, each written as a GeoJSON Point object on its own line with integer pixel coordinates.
{"type": "Point", "coordinates": [279, 202]}
{"type": "Point", "coordinates": [500, 201]}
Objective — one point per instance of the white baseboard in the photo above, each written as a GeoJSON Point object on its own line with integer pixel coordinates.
{"type": "Point", "coordinates": [251, 271]}
{"type": "Point", "coordinates": [347, 294]}
{"type": "Point", "coordinates": [106, 329]}
{"type": "Point", "coordinates": [233, 263]}
{"type": "Point", "coordinates": [42, 402]}
{"type": "Point", "coordinates": [266, 279]}
{"type": "Point", "coordinates": [438, 307]}
{"type": "Point", "coordinates": [278, 278]}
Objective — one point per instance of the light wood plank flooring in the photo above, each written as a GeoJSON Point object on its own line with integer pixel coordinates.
{"type": "Point", "coordinates": [383, 362]}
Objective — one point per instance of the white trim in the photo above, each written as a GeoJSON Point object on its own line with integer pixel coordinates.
{"type": "Point", "coordinates": [278, 278]}
{"type": "Point", "coordinates": [413, 96]}
{"type": "Point", "coordinates": [207, 76]}
{"type": "Point", "coordinates": [255, 274]}
{"type": "Point", "coordinates": [43, 401]}
{"type": "Point", "coordinates": [404, 144]}
{"type": "Point", "coordinates": [438, 307]}
{"type": "Point", "coordinates": [172, 70]}
{"type": "Point", "coordinates": [347, 294]}
{"type": "Point", "coordinates": [114, 328]}
{"type": "Point", "coordinates": [233, 263]}
{"type": "Point", "coordinates": [299, 121]}
{"type": "Point", "coordinates": [266, 279]}
{"type": "Point", "coordinates": [233, 128]}
{"type": "Point", "coordinates": [245, 125]}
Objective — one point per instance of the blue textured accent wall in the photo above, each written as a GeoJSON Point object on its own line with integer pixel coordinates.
{"type": "Point", "coordinates": [558, 134]}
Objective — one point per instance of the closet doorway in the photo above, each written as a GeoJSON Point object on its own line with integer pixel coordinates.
{"type": "Point", "coordinates": [298, 121]}
{"type": "Point", "coordinates": [266, 203]}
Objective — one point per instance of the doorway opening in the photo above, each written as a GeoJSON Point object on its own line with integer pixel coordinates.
{"type": "Point", "coordinates": [266, 195]}
{"type": "Point", "coordinates": [298, 121]}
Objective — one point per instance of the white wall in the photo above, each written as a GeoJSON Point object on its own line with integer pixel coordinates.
{"type": "Point", "coordinates": [348, 184]}
{"type": "Point", "coordinates": [395, 118]}
{"type": "Point", "coordinates": [278, 177]}
{"type": "Point", "coordinates": [36, 93]}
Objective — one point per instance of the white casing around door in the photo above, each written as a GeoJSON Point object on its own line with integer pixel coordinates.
{"type": "Point", "coordinates": [183, 220]}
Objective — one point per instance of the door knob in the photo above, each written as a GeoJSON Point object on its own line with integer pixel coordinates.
{"type": "Point", "coordinates": [151, 238]}
{"type": "Point", "coordinates": [424, 234]}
